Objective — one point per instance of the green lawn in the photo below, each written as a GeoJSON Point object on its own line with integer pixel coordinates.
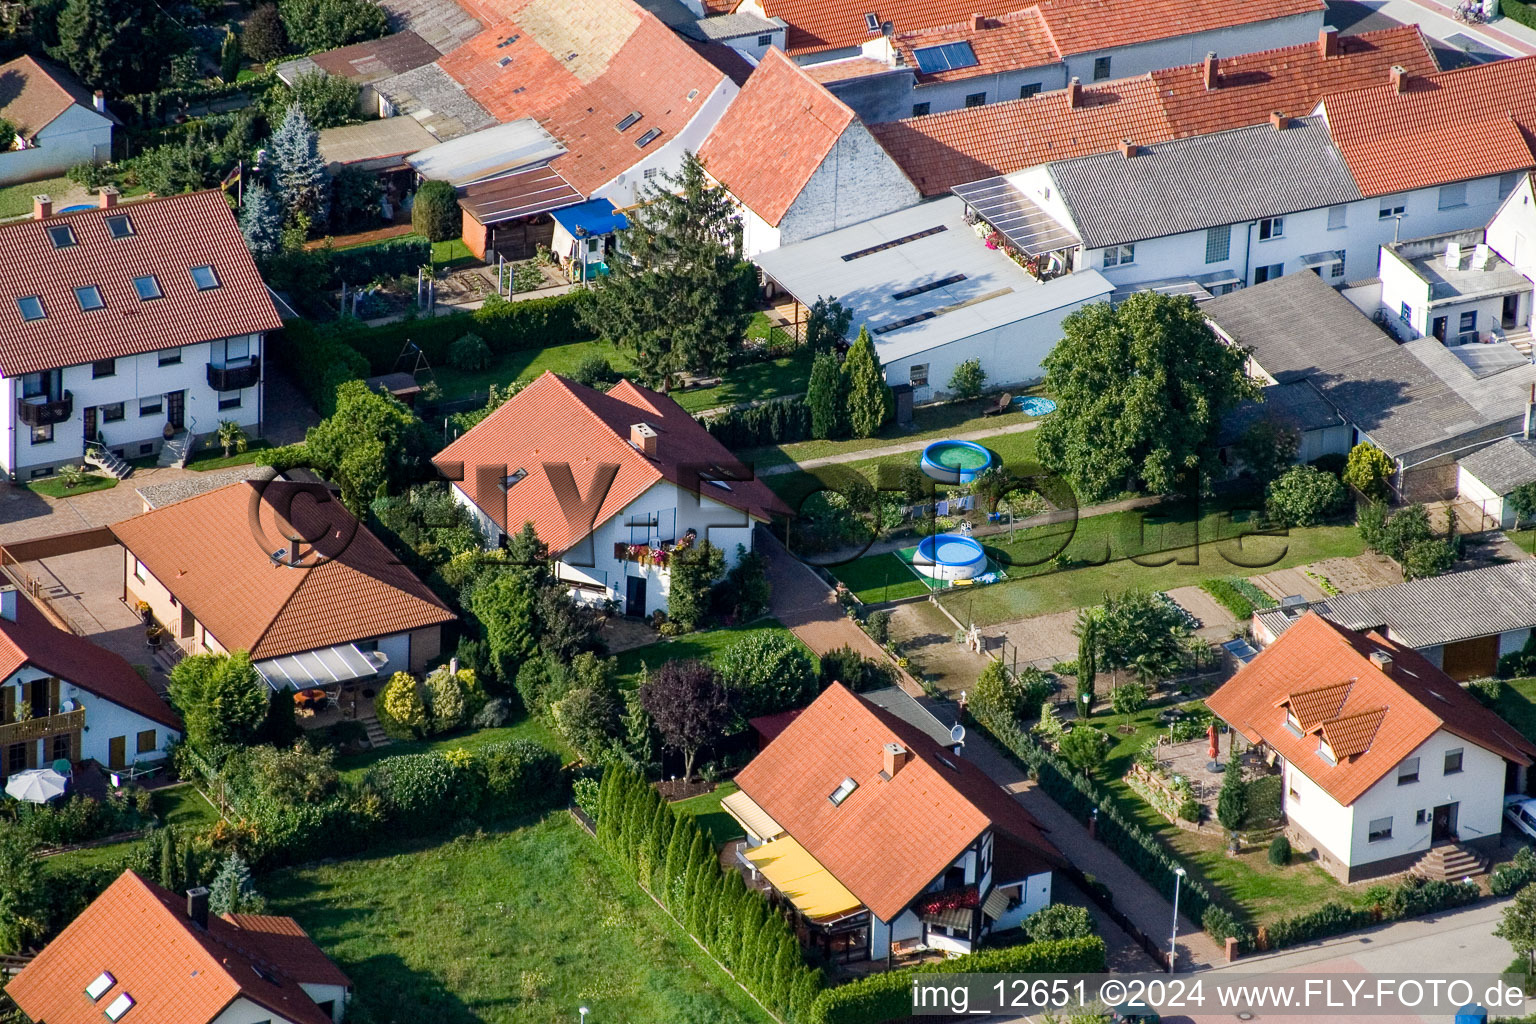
{"type": "Point", "coordinates": [450, 253]}
{"type": "Point", "coordinates": [513, 366]}
{"type": "Point", "coordinates": [214, 458]}
{"type": "Point", "coordinates": [1517, 705]}
{"type": "Point", "coordinates": [1017, 450]}
{"type": "Point", "coordinates": [717, 824]}
{"type": "Point", "coordinates": [17, 199]}
{"type": "Point", "coordinates": [353, 766]}
{"type": "Point", "coordinates": [175, 805]}
{"type": "Point", "coordinates": [705, 646]}
{"type": "Point", "coordinates": [53, 486]}
{"type": "Point", "coordinates": [519, 928]}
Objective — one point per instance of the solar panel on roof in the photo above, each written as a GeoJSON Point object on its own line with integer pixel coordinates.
{"type": "Point", "coordinates": [947, 57]}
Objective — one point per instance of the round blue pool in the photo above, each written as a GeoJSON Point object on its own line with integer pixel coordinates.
{"type": "Point", "coordinates": [1031, 405]}
{"type": "Point", "coordinates": [949, 556]}
{"type": "Point", "coordinates": [955, 462]}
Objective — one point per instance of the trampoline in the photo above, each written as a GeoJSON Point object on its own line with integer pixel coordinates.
{"type": "Point", "coordinates": [949, 556]}
{"type": "Point", "coordinates": [1032, 406]}
{"type": "Point", "coordinates": [955, 462]}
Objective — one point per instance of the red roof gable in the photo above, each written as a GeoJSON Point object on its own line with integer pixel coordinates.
{"type": "Point", "coordinates": [773, 137]}
{"type": "Point", "coordinates": [175, 972]}
{"type": "Point", "coordinates": [33, 640]}
{"type": "Point", "coordinates": [170, 237]}
{"type": "Point", "coordinates": [890, 838]}
{"type": "Point", "coordinates": [943, 150]}
{"type": "Point", "coordinates": [1325, 675]}
{"type": "Point", "coordinates": [555, 421]}
{"type": "Point", "coordinates": [1460, 124]}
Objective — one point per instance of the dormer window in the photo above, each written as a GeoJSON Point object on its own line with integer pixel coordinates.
{"type": "Point", "coordinates": [119, 1006]}
{"type": "Point", "coordinates": [98, 988]}
{"type": "Point", "coordinates": [1291, 725]}
{"type": "Point", "coordinates": [204, 278]}
{"type": "Point", "coordinates": [119, 226]}
{"type": "Point", "coordinates": [842, 792]}
{"type": "Point", "coordinates": [1326, 752]}
{"type": "Point", "coordinates": [61, 235]}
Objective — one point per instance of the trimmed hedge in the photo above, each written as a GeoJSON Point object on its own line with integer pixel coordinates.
{"type": "Point", "coordinates": [1411, 897]}
{"type": "Point", "coordinates": [780, 422]}
{"type": "Point", "coordinates": [888, 996]}
{"type": "Point", "coordinates": [1519, 10]}
{"type": "Point", "coordinates": [367, 263]}
{"type": "Point", "coordinates": [319, 361]}
{"type": "Point", "coordinates": [505, 325]}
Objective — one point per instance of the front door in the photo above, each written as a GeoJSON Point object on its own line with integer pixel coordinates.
{"type": "Point", "coordinates": [1438, 329]}
{"type": "Point", "coordinates": [1443, 823]}
{"type": "Point", "coordinates": [117, 752]}
{"type": "Point", "coordinates": [1511, 311]}
{"type": "Point", "coordinates": [90, 424]}
{"type": "Point", "coordinates": [176, 409]}
{"type": "Point", "coordinates": [634, 596]}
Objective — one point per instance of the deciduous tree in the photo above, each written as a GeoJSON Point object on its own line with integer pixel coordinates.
{"type": "Point", "coordinates": [1517, 925]}
{"type": "Point", "coordinates": [265, 39]}
{"type": "Point", "coordinates": [689, 707]}
{"type": "Point", "coordinates": [326, 24]}
{"type": "Point", "coordinates": [371, 445]}
{"type": "Point", "coordinates": [765, 673]}
{"type": "Point", "coordinates": [1303, 496]}
{"type": "Point", "coordinates": [221, 697]}
{"type": "Point", "coordinates": [121, 46]}
{"type": "Point", "coordinates": [1267, 449]}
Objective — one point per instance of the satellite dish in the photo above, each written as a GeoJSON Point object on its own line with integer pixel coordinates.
{"type": "Point", "coordinates": [957, 733]}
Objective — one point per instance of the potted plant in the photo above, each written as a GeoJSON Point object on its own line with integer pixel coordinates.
{"type": "Point", "coordinates": [145, 615]}
{"type": "Point", "coordinates": [168, 431]}
{"type": "Point", "coordinates": [154, 635]}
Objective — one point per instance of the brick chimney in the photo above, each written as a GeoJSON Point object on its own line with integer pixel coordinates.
{"type": "Point", "coordinates": [643, 437]}
{"type": "Point", "coordinates": [1127, 148]}
{"type": "Point", "coordinates": [1328, 41]}
{"type": "Point", "coordinates": [1278, 121]}
{"type": "Point", "coordinates": [99, 101]}
{"type": "Point", "coordinates": [1398, 76]}
{"type": "Point", "coordinates": [978, 22]}
{"type": "Point", "coordinates": [1074, 94]}
{"type": "Point", "coordinates": [893, 756]}
{"type": "Point", "coordinates": [1211, 80]}
{"type": "Point", "coordinates": [197, 906]}
{"type": "Point", "coordinates": [42, 207]}
{"type": "Point", "coordinates": [107, 198]}
{"type": "Point", "coordinates": [1383, 662]}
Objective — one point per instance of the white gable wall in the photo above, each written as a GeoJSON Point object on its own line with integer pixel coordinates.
{"type": "Point", "coordinates": [104, 720]}
{"type": "Point", "coordinates": [243, 1011]}
{"type": "Point", "coordinates": [857, 181]}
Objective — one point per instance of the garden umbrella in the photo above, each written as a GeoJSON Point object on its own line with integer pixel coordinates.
{"type": "Point", "coordinates": [37, 786]}
{"type": "Point", "coordinates": [1211, 732]}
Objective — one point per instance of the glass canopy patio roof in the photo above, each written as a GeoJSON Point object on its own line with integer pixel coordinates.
{"type": "Point", "coordinates": [324, 666]}
{"type": "Point", "coordinates": [1020, 219]}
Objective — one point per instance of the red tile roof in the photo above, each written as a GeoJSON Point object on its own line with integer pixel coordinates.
{"type": "Point", "coordinates": [555, 421]}
{"type": "Point", "coordinates": [175, 972]}
{"type": "Point", "coordinates": [205, 551]}
{"type": "Point", "coordinates": [1459, 124]}
{"type": "Point", "coordinates": [171, 236]}
{"type": "Point", "coordinates": [891, 837]}
{"type": "Point", "coordinates": [943, 150]}
{"type": "Point", "coordinates": [1371, 719]}
{"type": "Point", "coordinates": [1008, 42]}
{"type": "Point", "coordinates": [853, 67]}
{"type": "Point", "coordinates": [281, 942]}
{"type": "Point", "coordinates": [773, 137]}
{"type": "Point", "coordinates": [33, 640]}
{"type": "Point", "coordinates": [33, 93]}
{"type": "Point", "coordinates": [580, 67]}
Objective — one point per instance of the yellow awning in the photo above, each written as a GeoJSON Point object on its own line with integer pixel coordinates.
{"type": "Point", "coordinates": [803, 881]}
{"type": "Point", "coordinates": [751, 817]}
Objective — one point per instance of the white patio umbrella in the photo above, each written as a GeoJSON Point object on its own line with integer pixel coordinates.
{"type": "Point", "coordinates": [37, 786]}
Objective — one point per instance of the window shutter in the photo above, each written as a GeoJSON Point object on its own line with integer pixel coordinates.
{"type": "Point", "coordinates": [9, 708]}
{"type": "Point", "coordinates": [53, 695]}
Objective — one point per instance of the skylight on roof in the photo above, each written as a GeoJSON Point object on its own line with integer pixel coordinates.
{"type": "Point", "coordinates": [948, 57]}
{"type": "Point", "coordinates": [265, 976]}
{"type": "Point", "coordinates": [98, 988]}
{"type": "Point", "coordinates": [89, 297]}
{"type": "Point", "coordinates": [147, 287]}
{"type": "Point", "coordinates": [119, 1006]}
{"type": "Point", "coordinates": [840, 794]}
{"type": "Point", "coordinates": [31, 307]}
{"type": "Point", "coordinates": [204, 278]}
{"type": "Point", "coordinates": [648, 138]}
{"type": "Point", "coordinates": [119, 226]}
{"type": "Point", "coordinates": [872, 23]}
{"type": "Point", "coordinates": [629, 121]}
{"type": "Point", "coordinates": [513, 479]}
{"type": "Point", "coordinates": [61, 235]}
{"type": "Point", "coordinates": [504, 62]}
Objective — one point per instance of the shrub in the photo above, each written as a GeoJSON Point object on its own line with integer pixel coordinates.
{"type": "Point", "coordinates": [847, 666]}
{"type": "Point", "coordinates": [88, 174]}
{"type": "Point", "coordinates": [1514, 876]}
{"type": "Point", "coordinates": [1058, 921]}
{"type": "Point", "coordinates": [878, 626]}
{"type": "Point", "coordinates": [264, 38]}
{"type": "Point", "coordinates": [1487, 690]}
{"type": "Point", "coordinates": [1280, 851]}
{"type": "Point", "coordinates": [968, 380]}
{"type": "Point", "coordinates": [520, 775]}
{"type": "Point", "coordinates": [594, 371]}
{"type": "Point", "coordinates": [1232, 801]}
{"type": "Point", "coordinates": [1368, 469]}
{"type": "Point", "coordinates": [1427, 558]}
{"type": "Point", "coordinates": [1333, 462]}
{"type": "Point", "coordinates": [469, 353]}
{"type": "Point", "coordinates": [778, 422]}
{"type": "Point", "coordinates": [435, 212]}
{"type": "Point", "coordinates": [497, 712]}
{"type": "Point", "coordinates": [766, 673]}
{"type": "Point", "coordinates": [1303, 496]}
{"type": "Point", "coordinates": [1219, 923]}
{"type": "Point", "coordinates": [401, 712]}
{"type": "Point", "coordinates": [1084, 748]}
{"type": "Point", "coordinates": [1520, 11]}
{"type": "Point", "coordinates": [1128, 699]}
{"type": "Point", "coordinates": [452, 698]}
{"type": "Point", "coordinates": [421, 792]}
{"type": "Point", "coordinates": [1191, 809]}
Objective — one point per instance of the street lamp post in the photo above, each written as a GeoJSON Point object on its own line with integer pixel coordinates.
{"type": "Point", "coordinates": [1173, 942]}
{"type": "Point", "coordinates": [584, 1011]}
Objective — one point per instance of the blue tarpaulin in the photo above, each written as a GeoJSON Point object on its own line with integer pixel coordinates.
{"type": "Point", "coordinates": [594, 217]}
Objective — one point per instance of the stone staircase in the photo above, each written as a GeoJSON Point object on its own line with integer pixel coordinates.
{"type": "Point", "coordinates": [108, 463]}
{"type": "Point", "coordinates": [1450, 862]}
{"type": "Point", "coordinates": [376, 735]}
{"type": "Point", "coordinates": [174, 452]}
{"type": "Point", "coordinates": [1520, 338]}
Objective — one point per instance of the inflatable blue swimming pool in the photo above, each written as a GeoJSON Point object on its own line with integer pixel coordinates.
{"type": "Point", "coordinates": [949, 556]}
{"type": "Point", "coordinates": [1031, 405]}
{"type": "Point", "coordinates": [955, 462]}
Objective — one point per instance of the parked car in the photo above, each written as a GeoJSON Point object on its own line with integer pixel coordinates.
{"type": "Point", "coordinates": [1521, 812]}
{"type": "Point", "coordinates": [1133, 1011]}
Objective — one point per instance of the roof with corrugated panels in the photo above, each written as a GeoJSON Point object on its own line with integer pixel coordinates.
{"type": "Point", "coordinates": [170, 237]}
{"type": "Point", "coordinates": [1460, 124]}
{"type": "Point", "coordinates": [1503, 465]}
{"type": "Point", "coordinates": [869, 841]}
{"type": "Point", "coordinates": [174, 972]}
{"type": "Point", "coordinates": [773, 137]}
{"type": "Point", "coordinates": [940, 151]}
{"type": "Point", "coordinates": [503, 464]}
{"type": "Point", "coordinates": [1007, 42]}
{"type": "Point", "coordinates": [1387, 711]}
{"type": "Point", "coordinates": [1203, 181]}
{"type": "Point", "coordinates": [32, 640]}
{"type": "Point", "coordinates": [216, 553]}
{"type": "Point", "coordinates": [1085, 26]}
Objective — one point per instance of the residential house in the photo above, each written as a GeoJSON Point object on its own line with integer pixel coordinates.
{"type": "Point", "coordinates": [615, 484]}
{"type": "Point", "coordinates": [797, 160]}
{"type": "Point", "coordinates": [1384, 758]}
{"type": "Point", "coordinates": [64, 698]}
{"type": "Point", "coordinates": [748, 34]}
{"type": "Point", "coordinates": [940, 151]}
{"type": "Point", "coordinates": [883, 840]}
{"type": "Point", "coordinates": [365, 64]}
{"type": "Point", "coordinates": [59, 122]}
{"type": "Point", "coordinates": [126, 326]}
{"type": "Point", "coordinates": [282, 571]}
{"type": "Point", "coordinates": [1462, 623]}
{"type": "Point", "coordinates": [1488, 476]}
{"type": "Point", "coordinates": [140, 953]}
{"type": "Point", "coordinates": [934, 293]}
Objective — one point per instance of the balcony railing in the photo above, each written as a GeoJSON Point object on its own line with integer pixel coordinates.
{"type": "Point", "coordinates": [41, 413]}
{"type": "Point", "coordinates": [242, 373]}
{"type": "Point", "coordinates": [42, 727]}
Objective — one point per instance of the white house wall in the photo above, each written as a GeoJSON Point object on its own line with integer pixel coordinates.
{"type": "Point", "coordinates": [1138, 59]}
{"type": "Point", "coordinates": [667, 159]}
{"type": "Point", "coordinates": [1310, 808]}
{"type": "Point", "coordinates": [857, 181]}
{"type": "Point", "coordinates": [243, 1011]}
{"type": "Point", "coordinates": [104, 721]}
{"type": "Point", "coordinates": [77, 136]}
{"type": "Point", "coordinates": [336, 995]}
{"type": "Point", "coordinates": [1035, 895]}
{"type": "Point", "coordinates": [757, 235]}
